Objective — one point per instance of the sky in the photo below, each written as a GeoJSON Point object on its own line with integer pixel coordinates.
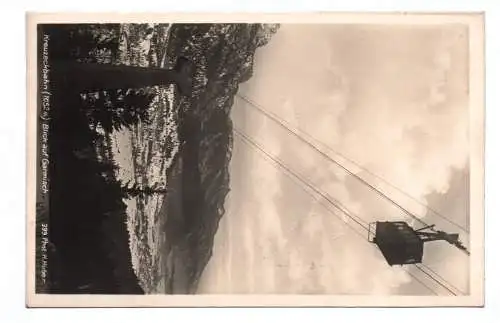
{"type": "Point", "coordinates": [388, 102]}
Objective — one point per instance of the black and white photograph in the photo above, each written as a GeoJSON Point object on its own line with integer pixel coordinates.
{"type": "Point", "coordinates": [318, 160]}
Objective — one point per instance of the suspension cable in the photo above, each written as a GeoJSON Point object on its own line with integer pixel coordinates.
{"type": "Point", "coordinates": [300, 178]}
{"type": "Point", "coordinates": [380, 178]}
{"type": "Point", "coordinates": [440, 277]}
{"type": "Point", "coordinates": [436, 280]}
{"type": "Point", "coordinates": [334, 161]}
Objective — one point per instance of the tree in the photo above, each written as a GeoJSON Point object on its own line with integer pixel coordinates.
{"type": "Point", "coordinates": [114, 110]}
{"type": "Point", "coordinates": [89, 43]}
{"type": "Point", "coordinates": [84, 59]}
{"type": "Point", "coordinates": [95, 77]}
{"type": "Point", "coordinates": [137, 190]}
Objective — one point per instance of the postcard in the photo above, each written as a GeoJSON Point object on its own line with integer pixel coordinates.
{"type": "Point", "coordinates": [320, 159]}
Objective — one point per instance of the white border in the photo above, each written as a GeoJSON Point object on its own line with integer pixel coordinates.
{"type": "Point", "coordinates": [475, 22]}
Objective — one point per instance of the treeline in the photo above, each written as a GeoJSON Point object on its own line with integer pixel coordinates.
{"type": "Point", "coordinates": [88, 234]}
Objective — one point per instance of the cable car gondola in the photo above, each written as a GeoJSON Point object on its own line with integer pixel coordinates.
{"type": "Point", "coordinates": [400, 244]}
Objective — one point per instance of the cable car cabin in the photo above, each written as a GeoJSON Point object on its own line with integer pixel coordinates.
{"type": "Point", "coordinates": [398, 242]}
{"type": "Point", "coordinates": [402, 245]}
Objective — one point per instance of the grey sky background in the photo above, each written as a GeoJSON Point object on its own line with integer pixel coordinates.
{"type": "Point", "coordinates": [394, 99]}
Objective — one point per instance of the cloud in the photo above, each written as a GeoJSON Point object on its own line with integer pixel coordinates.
{"type": "Point", "coordinates": [394, 100]}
